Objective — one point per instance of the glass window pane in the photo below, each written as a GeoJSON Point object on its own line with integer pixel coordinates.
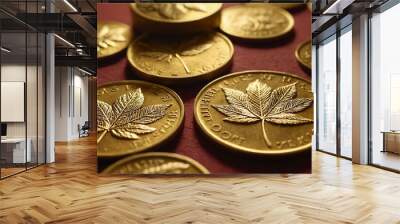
{"type": "Point", "coordinates": [14, 151]}
{"type": "Point", "coordinates": [327, 96]}
{"type": "Point", "coordinates": [346, 94]}
{"type": "Point", "coordinates": [31, 97]}
{"type": "Point", "coordinates": [385, 89]}
{"type": "Point", "coordinates": [41, 98]}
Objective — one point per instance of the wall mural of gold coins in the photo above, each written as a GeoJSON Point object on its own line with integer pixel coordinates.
{"type": "Point", "coordinates": [204, 88]}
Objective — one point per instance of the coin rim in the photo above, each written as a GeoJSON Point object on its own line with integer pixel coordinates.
{"type": "Point", "coordinates": [197, 165]}
{"type": "Point", "coordinates": [238, 147]}
{"type": "Point", "coordinates": [284, 11]}
{"type": "Point", "coordinates": [140, 13]}
{"type": "Point", "coordinates": [168, 137]}
{"type": "Point", "coordinates": [296, 53]}
{"type": "Point", "coordinates": [125, 46]}
{"type": "Point", "coordinates": [166, 79]}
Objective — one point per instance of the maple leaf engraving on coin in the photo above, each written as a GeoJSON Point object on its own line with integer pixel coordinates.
{"type": "Point", "coordinates": [127, 117]}
{"type": "Point", "coordinates": [261, 103]}
{"type": "Point", "coordinates": [172, 10]}
{"type": "Point", "coordinates": [192, 47]}
{"type": "Point", "coordinates": [107, 37]}
{"type": "Point", "coordinates": [260, 21]}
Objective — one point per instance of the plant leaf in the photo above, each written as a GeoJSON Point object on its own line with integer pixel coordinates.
{"type": "Point", "coordinates": [195, 7]}
{"type": "Point", "coordinates": [195, 46]}
{"type": "Point", "coordinates": [260, 103]}
{"type": "Point", "coordinates": [149, 114]}
{"type": "Point", "coordinates": [104, 115]}
{"type": "Point", "coordinates": [236, 98]}
{"type": "Point", "coordinates": [155, 54]}
{"type": "Point", "coordinates": [103, 32]}
{"type": "Point", "coordinates": [140, 128]}
{"type": "Point", "coordinates": [102, 44]}
{"type": "Point", "coordinates": [236, 114]}
{"type": "Point", "coordinates": [124, 133]}
{"type": "Point", "coordinates": [281, 94]}
{"type": "Point", "coordinates": [132, 130]}
{"type": "Point", "coordinates": [196, 49]}
{"type": "Point", "coordinates": [107, 37]}
{"type": "Point", "coordinates": [171, 10]}
{"type": "Point", "coordinates": [258, 96]}
{"type": "Point", "coordinates": [292, 106]}
{"type": "Point", "coordinates": [126, 118]}
{"type": "Point", "coordinates": [128, 102]}
{"type": "Point", "coordinates": [117, 37]}
{"type": "Point", "coordinates": [284, 118]}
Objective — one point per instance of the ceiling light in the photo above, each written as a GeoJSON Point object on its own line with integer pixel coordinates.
{"type": "Point", "coordinates": [65, 41]}
{"type": "Point", "coordinates": [331, 7]}
{"type": "Point", "coordinates": [84, 71]}
{"type": "Point", "coordinates": [5, 49]}
{"type": "Point", "coordinates": [337, 7]}
{"type": "Point", "coordinates": [70, 5]}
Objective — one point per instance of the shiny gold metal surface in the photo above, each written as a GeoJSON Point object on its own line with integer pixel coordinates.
{"type": "Point", "coordinates": [180, 59]}
{"type": "Point", "coordinates": [156, 163]}
{"type": "Point", "coordinates": [303, 54]}
{"type": "Point", "coordinates": [261, 112]}
{"type": "Point", "coordinates": [112, 38]}
{"type": "Point", "coordinates": [176, 18]}
{"type": "Point", "coordinates": [256, 21]}
{"type": "Point", "coordinates": [309, 6]}
{"type": "Point", "coordinates": [133, 116]}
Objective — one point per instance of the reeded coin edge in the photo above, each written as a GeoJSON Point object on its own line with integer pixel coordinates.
{"type": "Point", "coordinates": [191, 161]}
{"type": "Point", "coordinates": [168, 137]}
{"type": "Point", "coordinates": [168, 21]}
{"type": "Point", "coordinates": [145, 74]}
{"type": "Point", "coordinates": [234, 146]}
{"type": "Point", "coordinates": [287, 14]}
{"type": "Point", "coordinates": [125, 45]}
{"type": "Point", "coordinates": [296, 52]}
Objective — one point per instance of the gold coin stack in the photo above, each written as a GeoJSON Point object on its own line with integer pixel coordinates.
{"type": "Point", "coordinates": [258, 112]}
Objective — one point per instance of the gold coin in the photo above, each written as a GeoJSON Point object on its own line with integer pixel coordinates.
{"type": "Point", "coordinates": [309, 6]}
{"type": "Point", "coordinates": [303, 54]}
{"type": "Point", "coordinates": [174, 18]}
{"type": "Point", "coordinates": [112, 38]}
{"type": "Point", "coordinates": [156, 163]}
{"type": "Point", "coordinates": [260, 112]}
{"type": "Point", "coordinates": [256, 21]}
{"type": "Point", "coordinates": [180, 59]}
{"type": "Point", "coordinates": [133, 116]}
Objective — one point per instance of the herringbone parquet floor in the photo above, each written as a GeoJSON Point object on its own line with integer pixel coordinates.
{"type": "Point", "coordinates": [69, 191]}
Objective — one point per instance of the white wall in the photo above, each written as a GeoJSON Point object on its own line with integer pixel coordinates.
{"type": "Point", "coordinates": [33, 127]}
{"type": "Point", "coordinates": [70, 83]}
{"type": "Point", "coordinates": [12, 73]}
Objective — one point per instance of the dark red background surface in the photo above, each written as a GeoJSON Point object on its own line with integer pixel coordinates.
{"type": "Point", "coordinates": [278, 56]}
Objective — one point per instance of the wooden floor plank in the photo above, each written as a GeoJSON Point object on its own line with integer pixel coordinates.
{"type": "Point", "coordinates": [70, 191]}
